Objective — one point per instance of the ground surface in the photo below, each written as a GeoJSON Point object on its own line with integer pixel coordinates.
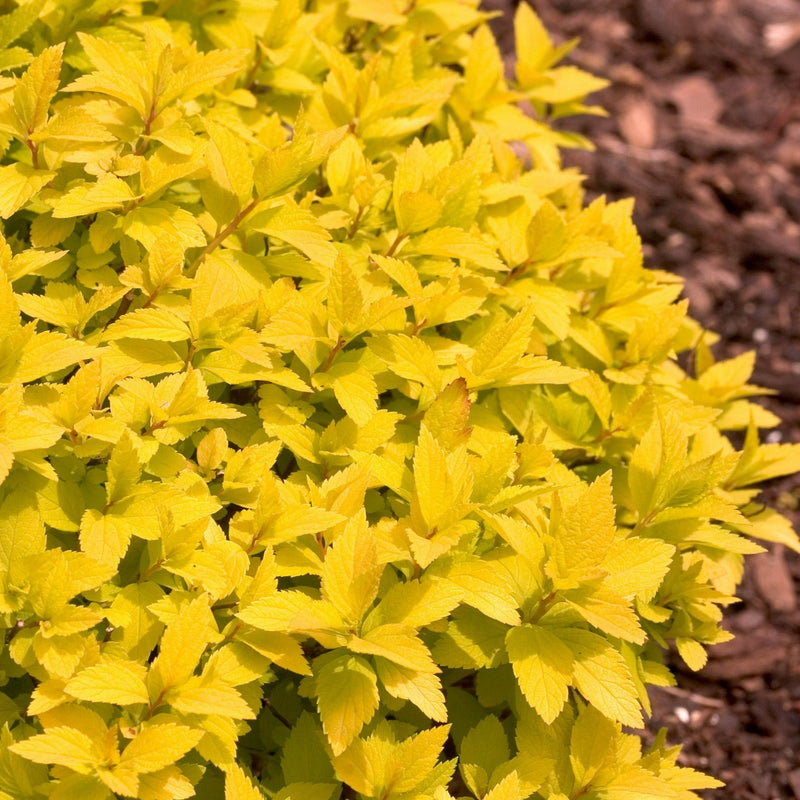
{"type": "Point", "coordinates": [704, 131]}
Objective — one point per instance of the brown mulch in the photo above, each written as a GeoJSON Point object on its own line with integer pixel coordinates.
{"type": "Point", "coordinates": [704, 131]}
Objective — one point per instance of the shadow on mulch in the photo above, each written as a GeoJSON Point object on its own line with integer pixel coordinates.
{"type": "Point", "coordinates": [704, 132]}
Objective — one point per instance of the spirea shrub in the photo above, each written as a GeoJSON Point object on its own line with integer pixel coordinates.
{"type": "Point", "coordinates": [344, 452]}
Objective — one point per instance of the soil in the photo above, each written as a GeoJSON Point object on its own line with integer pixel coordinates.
{"type": "Point", "coordinates": [704, 132]}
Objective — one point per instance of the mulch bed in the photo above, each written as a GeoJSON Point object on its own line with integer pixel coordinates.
{"type": "Point", "coordinates": [704, 131]}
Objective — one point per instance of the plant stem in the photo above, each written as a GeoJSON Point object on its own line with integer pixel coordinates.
{"type": "Point", "coordinates": [543, 607]}
{"type": "Point", "coordinates": [395, 244]}
{"type": "Point", "coordinates": [223, 235]}
{"type": "Point", "coordinates": [34, 148]}
{"type": "Point", "coordinates": [356, 221]}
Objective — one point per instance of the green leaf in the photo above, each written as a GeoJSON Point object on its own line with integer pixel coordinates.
{"type": "Point", "coordinates": [484, 747]}
{"type": "Point", "coordinates": [18, 21]}
{"type": "Point", "coordinates": [303, 757]}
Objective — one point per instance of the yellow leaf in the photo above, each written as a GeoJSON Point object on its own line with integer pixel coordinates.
{"type": "Point", "coordinates": [381, 12]}
{"type": "Point", "coordinates": [508, 789]}
{"type": "Point", "coordinates": [60, 745]}
{"type": "Point", "coordinates": [119, 73]}
{"type": "Point", "coordinates": [106, 537]}
{"type": "Point", "coordinates": [201, 74]}
{"type": "Point", "coordinates": [484, 70]}
{"type": "Point", "coordinates": [22, 535]}
{"type": "Point", "coordinates": [229, 164]}
{"type": "Point", "coordinates": [111, 681]}
{"type": "Point", "coordinates": [692, 652]}
{"type": "Point", "coordinates": [35, 89]}
{"type": "Point", "coordinates": [606, 611]}
{"type": "Point", "coordinates": [239, 787]}
{"type": "Point", "coordinates": [350, 573]}
{"type": "Point", "coordinates": [533, 42]}
{"type": "Point", "coordinates": [423, 689]}
{"type": "Point", "coordinates": [183, 643]}
{"type": "Point", "coordinates": [157, 746]}
{"type": "Point", "coordinates": [592, 745]}
{"type": "Point", "coordinates": [398, 644]}
{"type": "Point", "coordinates": [455, 243]}
{"type": "Point", "coordinates": [148, 323]}
{"type": "Point", "coordinates": [504, 344]}
{"type": "Point", "coordinates": [433, 491]}
{"type": "Point", "coordinates": [602, 676]}
{"type": "Point", "coordinates": [485, 587]}
{"type": "Point", "coordinates": [584, 533]}
{"type": "Point", "coordinates": [417, 211]}
{"type": "Point", "coordinates": [417, 756]}
{"type": "Point", "coordinates": [123, 470]}
{"type": "Point", "coordinates": [200, 696]}
{"type": "Point", "coordinates": [354, 388]}
{"type": "Point", "coordinates": [661, 452]}
{"type": "Point", "coordinates": [347, 697]}
{"type": "Point", "coordinates": [277, 612]}
{"type": "Point", "coordinates": [637, 566]}
{"type": "Point", "coordinates": [297, 227]}
{"type": "Point", "coordinates": [543, 667]}
{"type": "Point", "coordinates": [49, 352]}
{"type": "Point", "coordinates": [109, 192]}
{"type": "Point", "coordinates": [345, 299]}
{"type": "Point", "coordinates": [566, 85]}
{"type": "Point", "coordinates": [18, 183]}
{"type": "Point", "coordinates": [168, 782]}
{"type": "Point", "coordinates": [280, 648]}
{"type": "Point", "coordinates": [415, 604]}
{"type": "Point", "coordinates": [409, 357]}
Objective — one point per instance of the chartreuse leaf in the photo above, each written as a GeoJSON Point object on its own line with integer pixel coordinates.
{"type": "Point", "coordinates": [483, 750]}
{"type": "Point", "coordinates": [208, 696]}
{"type": "Point", "coordinates": [181, 646]}
{"type": "Point", "coordinates": [350, 574]}
{"type": "Point", "coordinates": [660, 453]}
{"type": "Point", "coordinates": [380, 764]}
{"type": "Point", "coordinates": [508, 789]}
{"type": "Point", "coordinates": [601, 675]}
{"type": "Point", "coordinates": [22, 536]}
{"type": "Point", "coordinates": [158, 745]}
{"type": "Point", "coordinates": [583, 534]}
{"type": "Point", "coordinates": [592, 745]}
{"type": "Point", "coordinates": [303, 757]}
{"type": "Point", "coordinates": [239, 787]}
{"type": "Point", "coordinates": [111, 681]}
{"type": "Point", "coordinates": [35, 90]}
{"type": "Point", "coordinates": [18, 21]}
{"type": "Point", "coordinates": [347, 697]}
{"type": "Point", "coordinates": [543, 665]}
{"type": "Point", "coordinates": [18, 184]}
{"type": "Point", "coordinates": [61, 745]}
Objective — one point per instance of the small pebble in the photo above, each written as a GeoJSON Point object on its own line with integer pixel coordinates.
{"type": "Point", "coordinates": [682, 714]}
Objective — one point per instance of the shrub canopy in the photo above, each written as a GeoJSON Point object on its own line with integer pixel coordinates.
{"type": "Point", "coordinates": [344, 452]}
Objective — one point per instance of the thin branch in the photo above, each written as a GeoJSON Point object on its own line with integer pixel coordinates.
{"type": "Point", "coordinates": [223, 235]}
{"type": "Point", "coordinates": [356, 222]}
{"type": "Point", "coordinates": [395, 244]}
